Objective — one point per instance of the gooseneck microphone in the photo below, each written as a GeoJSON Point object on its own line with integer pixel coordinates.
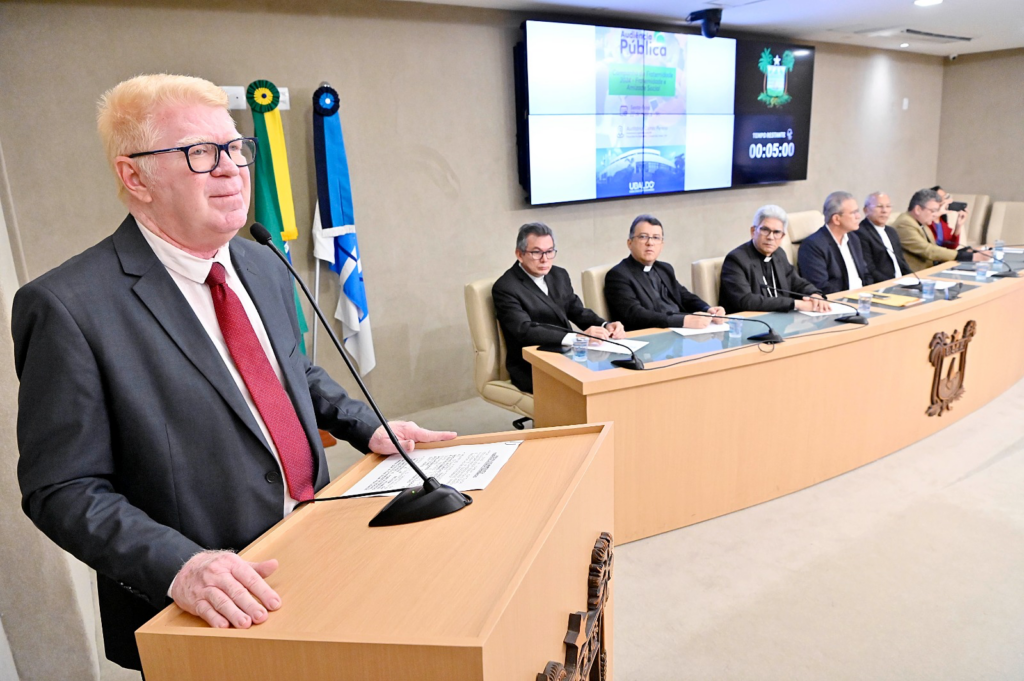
{"type": "Point", "coordinates": [423, 502]}
{"type": "Point", "coordinates": [919, 286]}
{"type": "Point", "coordinates": [770, 336]}
{"type": "Point", "coordinates": [634, 362]}
{"type": "Point", "coordinates": [854, 318]}
{"type": "Point", "coordinates": [1010, 273]}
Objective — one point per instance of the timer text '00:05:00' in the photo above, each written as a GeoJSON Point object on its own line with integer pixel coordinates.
{"type": "Point", "coordinates": [773, 150]}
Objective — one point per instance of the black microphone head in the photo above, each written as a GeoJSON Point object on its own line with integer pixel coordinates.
{"type": "Point", "coordinates": [260, 233]}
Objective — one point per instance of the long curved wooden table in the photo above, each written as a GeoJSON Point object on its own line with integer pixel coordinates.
{"type": "Point", "coordinates": [735, 429]}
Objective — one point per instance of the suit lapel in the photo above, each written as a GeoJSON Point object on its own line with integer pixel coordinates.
{"type": "Point", "coordinates": [837, 255]}
{"type": "Point", "coordinates": [158, 292]}
{"type": "Point", "coordinates": [535, 291]}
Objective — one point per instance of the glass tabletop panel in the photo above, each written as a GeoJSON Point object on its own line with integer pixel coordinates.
{"type": "Point", "coordinates": [665, 345]}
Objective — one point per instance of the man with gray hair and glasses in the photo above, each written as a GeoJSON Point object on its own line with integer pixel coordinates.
{"type": "Point", "coordinates": [755, 274]}
{"type": "Point", "coordinates": [534, 290]}
{"type": "Point", "coordinates": [832, 258]}
{"type": "Point", "coordinates": [914, 230]}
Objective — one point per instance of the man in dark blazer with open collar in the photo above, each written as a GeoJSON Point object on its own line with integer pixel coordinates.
{"type": "Point", "coordinates": [832, 258]}
{"type": "Point", "coordinates": [143, 452]}
{"type": "Point", "coordinates": [534, 290]}
{"type": "Point", "coordinates": [756, 275]}
{"type": "Point", "coordinates": [883, 250]}
{"type": "Point", "coordinates": [643, 292]}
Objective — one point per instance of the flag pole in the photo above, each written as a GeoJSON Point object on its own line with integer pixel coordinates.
{"type": "Point", "coordinates": [316, 297]}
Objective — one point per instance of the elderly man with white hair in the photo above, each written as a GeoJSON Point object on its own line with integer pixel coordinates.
{"type": "Point", "coordinates": [756, 275]}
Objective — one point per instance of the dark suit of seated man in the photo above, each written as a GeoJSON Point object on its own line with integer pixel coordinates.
{"type": "Point", "coordinates": [643, 292]}
{"type": "Point", "coordinates": [755, 274]}
{"type": "Point", "coordinates": [832, 258]}
{"type": "Point", "coordinates": [883, 250]}
{"type": "Point", "coordinates": [534, 290]}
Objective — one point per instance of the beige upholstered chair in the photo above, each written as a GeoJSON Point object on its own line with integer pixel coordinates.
{"type": "Point", "coordinates": [489, 373]}
{"type": "Point", "coordinates": [1006, 222]}
{"type": "Point", "coordinates": [801, 226]}
{"type": "Point", "coordinates": [978, 206]}
{"type": "Point", "coordinates": [593, 290]}
{"type": "Point", "coordinates": [707, 275]}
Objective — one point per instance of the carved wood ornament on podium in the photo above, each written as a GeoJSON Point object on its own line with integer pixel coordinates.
{"type": "Point", "coordinates": [949, 388]}
{"type": "Point", "coordinates": [585, 656]}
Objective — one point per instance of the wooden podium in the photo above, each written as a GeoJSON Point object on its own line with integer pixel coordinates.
{"type": "Point", "coordinates": [486, 593]}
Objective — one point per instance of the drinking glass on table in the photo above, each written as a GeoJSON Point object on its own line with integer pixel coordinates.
{"type": "Point", "coordinates": [928, 289]}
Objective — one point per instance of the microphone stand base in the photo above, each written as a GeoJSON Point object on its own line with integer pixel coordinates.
{"type": "Point", "coordinates": [767, 337]}
{"type": "Point", "coordinates": [633, 363]}
{"type": "Point", "coordinates": [415, 504]}
{"type": "Point", "coordinates": [1005, 275]}
{"type": "Point", "coordinates": [852, 319]}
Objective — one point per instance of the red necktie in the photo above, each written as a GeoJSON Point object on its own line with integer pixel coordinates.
{"type": "Point", "coordinates": [271, 400]}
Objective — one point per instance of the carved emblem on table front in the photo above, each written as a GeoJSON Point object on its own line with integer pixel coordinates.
{"type": "Point", "coordinates": [948, 354]}
{"type": "Point", "coordinates": [586, 658]}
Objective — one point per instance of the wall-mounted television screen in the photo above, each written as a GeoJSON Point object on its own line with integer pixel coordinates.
{"type": "Point", "coordinates": [608, 112]}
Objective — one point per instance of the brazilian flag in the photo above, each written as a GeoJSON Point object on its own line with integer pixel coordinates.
{"type": "Point", "coordinates": [275, 208]}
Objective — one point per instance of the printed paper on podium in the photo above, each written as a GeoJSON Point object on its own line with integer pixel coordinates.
{"type": "Point", "coordinates": [464, 467]}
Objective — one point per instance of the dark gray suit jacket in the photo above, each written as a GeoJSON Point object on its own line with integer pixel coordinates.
{"type": "Point", "coordinates": [137, 448]}
{"type": "Point", "coordinates": [876, 255]}
{"type": "Point", "coordinates": [518, 302]}
{"type": "Point", "coordinates": [633, 301]}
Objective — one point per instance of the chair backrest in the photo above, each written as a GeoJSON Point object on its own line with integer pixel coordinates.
{"type": "Point", "coordinates": [706, 275]}
{"type": "Point", "coordinates": [1007, 223]}
{"type": "Point", "coordinates": [593, 290]}
{"type": "Point", "coordinates": [804, 224]}
{"type": "Point", "coordinates": [488, 341]}
{"type": "Point", "coordinates": [801, 225]}
{"type": "Point", "coordinates": [978, 206]}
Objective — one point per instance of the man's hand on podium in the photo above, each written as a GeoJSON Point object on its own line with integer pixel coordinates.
{"type": "Point", "coordinates": [223, 589]}
{"type": "Point", "coordinates": [408, 434]}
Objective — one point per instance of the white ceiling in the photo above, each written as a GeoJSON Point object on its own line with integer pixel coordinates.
{"type": "Point", "coordinates": [990, 24]}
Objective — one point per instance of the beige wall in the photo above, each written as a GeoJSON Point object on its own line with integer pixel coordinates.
{"type": "Point", "coordinates": [427, 109]}
{"type": "Point", "coordinates": [982, 150]}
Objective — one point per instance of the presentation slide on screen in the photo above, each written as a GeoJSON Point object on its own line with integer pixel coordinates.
{"type": "Point", "coordinates": [621, 112]}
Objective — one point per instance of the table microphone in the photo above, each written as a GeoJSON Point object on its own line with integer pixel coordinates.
{"type": "Point", "coordinates": [854, 318]}
{"type": "Point", "coordinates": [919, 286]}
{"type": "Point", "coordinates": [1010, 273]}
{"type": "Point", "coordinates": [423, 502]}
{"type": "Point", "coordinates": [634, 362]}
{"type": "Point", "coordinates": [770, 336]}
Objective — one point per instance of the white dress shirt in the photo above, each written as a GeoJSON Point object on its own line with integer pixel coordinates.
{"type": "Point", "coordinates": [851, 265]}
{"type": "Point", "coordinates": [189, 273]}
{"type": "Point", "coordinates": [888, 248]}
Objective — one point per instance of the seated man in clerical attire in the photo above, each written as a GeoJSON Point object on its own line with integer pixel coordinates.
{"type": "Point", "coordinates": [832, 258]}
{"type": "Point", "coordinates": [883, 250]}
{"type": "Point", "coordinates": [534, 290]}
{"type": "Point", "coordinates": [643, 292]}
{"type": "Point", "coordinates": [756, 275]}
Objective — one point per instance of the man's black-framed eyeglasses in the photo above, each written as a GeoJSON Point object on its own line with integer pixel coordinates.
{"type": "Point", "coordinates": [203, 157]}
